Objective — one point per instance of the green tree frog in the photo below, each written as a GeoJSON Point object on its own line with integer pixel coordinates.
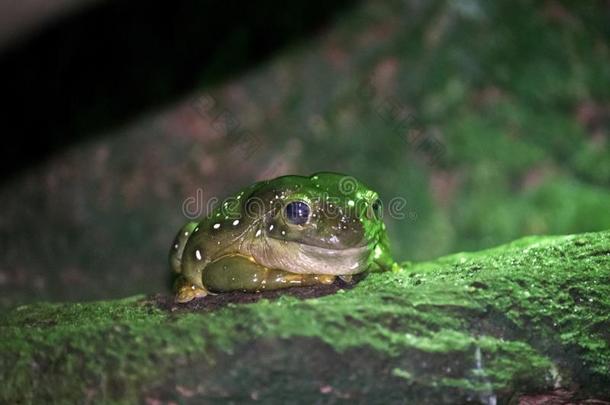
{"type": "Point", "coordinates": [285, 232]}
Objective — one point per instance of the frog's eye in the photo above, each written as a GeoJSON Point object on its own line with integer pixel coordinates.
{"type": "Point", "coordinates": [377, 208]}
{"type": "Point", "coordinates": [297, 212]}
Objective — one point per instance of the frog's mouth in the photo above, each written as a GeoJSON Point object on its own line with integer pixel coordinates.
{"type": "Point", "coordinates": [300, 258]}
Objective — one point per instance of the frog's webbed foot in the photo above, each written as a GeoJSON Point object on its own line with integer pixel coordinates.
{"type": "Point", "coordinates": [187, 291]}
{"type": "Point", "coordinates": [287, 279]}
{"type": "Point", "coordinates": [324, 278]}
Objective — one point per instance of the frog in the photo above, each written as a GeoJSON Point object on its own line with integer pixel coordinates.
{"type": "Point", "coordinates": [279, 233]}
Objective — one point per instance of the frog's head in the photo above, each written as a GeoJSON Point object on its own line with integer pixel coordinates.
{"type": "Point", "coordinates": [326, 223]}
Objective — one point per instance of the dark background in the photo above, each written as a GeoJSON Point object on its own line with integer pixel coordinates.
{"type": "Point", "coordinates": [490, 121]}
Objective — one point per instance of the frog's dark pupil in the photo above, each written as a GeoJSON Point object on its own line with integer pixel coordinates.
{"type": "Point", "coordinates": [297, 212]}
{"type": "Point", "coordinates": [377, 208]}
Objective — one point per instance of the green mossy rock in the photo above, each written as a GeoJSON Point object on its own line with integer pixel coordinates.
{"type": "Point", "coordinates": [479, 327]}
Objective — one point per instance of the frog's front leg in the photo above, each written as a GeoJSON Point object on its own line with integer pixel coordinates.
{"type": "Point", "coordinates": [177, 249]}
{"type": "Point", "coordinates": [240, 273]}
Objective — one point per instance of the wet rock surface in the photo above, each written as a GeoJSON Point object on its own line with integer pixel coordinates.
{"type": "Point", "coordinates": [521, 323]}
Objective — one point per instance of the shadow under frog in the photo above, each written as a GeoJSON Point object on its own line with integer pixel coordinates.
{"type": "Point", "coordinates": [287, 232]}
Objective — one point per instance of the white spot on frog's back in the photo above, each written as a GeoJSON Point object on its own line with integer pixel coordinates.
{"type": "Point", "coordinates": [270, 227]}
{"type": "Point", "coordinates": [258, 233]}
{"type": "Point", "coordinates": [198, 254]}
{"type": "Point", "coordinates": [236, 222]}
{"type": "Point", "coordinates": [216, 225]}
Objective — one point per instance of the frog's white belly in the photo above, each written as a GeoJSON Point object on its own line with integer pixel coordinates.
{"type": "Point", "coordinates": [305, 259]}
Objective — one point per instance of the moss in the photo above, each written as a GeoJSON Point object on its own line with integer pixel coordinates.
{"type": "Point", "coordinates": [519, 316]}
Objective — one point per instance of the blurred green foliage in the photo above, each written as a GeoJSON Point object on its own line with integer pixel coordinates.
{"type": "Point", "coordinates": [518, 92]}
{"type": "Point", "coordinates": [490, 119]}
